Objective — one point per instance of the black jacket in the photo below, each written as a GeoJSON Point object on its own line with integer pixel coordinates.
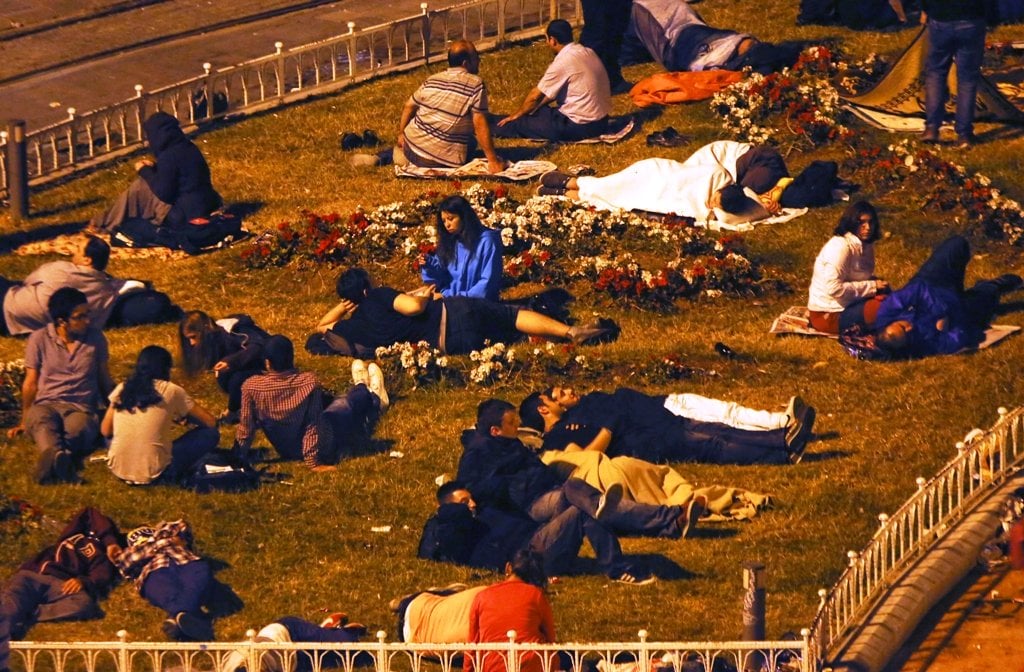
{"type": "Point", "coordinates": [487, 540]}
{"type": "Point", "coordinates": [81, 552]}
{"type": "Point", "coordinates": [503, 473]}
{"type": "Point", "coordinates": [180, 177]}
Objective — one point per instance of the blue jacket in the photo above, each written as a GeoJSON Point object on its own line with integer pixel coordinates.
{"type": "Point", "coordinates": [475, 273]}
{"type": "Point", "coordinates": [923, 304]}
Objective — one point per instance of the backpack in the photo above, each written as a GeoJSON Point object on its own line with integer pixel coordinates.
{"type": "Point", "coordinates": [813, 187]}
{"type": "Point", "coordinates": [223, 471]}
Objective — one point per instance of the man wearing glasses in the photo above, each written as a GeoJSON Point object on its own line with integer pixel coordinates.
{"type": "Point", "coordinates": [65, 376]}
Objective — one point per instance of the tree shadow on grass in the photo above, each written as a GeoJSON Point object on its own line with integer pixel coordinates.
{"type": "Point", "coordinates": [16, 239]}
{"type": "Point", "coordinates": [221, 599]}
{"type": "Point", "coordinates": [658, 565]}
{"type": "Point", "coordinates": [243, 209]}
{"type": "Point", "coordinates": [65, 207]}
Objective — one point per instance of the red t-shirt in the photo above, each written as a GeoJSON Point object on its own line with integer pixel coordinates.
{"type": "Point", "coordinates": [510, 605]}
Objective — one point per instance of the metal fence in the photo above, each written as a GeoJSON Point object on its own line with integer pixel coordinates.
{"type": "Point", "coordinates": [981, 465]}
{"type": "Point", "coordinates": [263, 656]}
{"type": "Point", "coordinates": [286, 76]}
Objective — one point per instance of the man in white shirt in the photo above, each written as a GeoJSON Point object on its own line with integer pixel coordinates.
{"type": "Point", "coordinates": [576, 80]}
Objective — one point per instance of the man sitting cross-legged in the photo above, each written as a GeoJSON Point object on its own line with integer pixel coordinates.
{"type": "Point", "coordinates": [503, 473]}
{"type": "Point", "coordinates": [628, 422]}
{"type": "Point", "coordinates": [577, 81]}
{"type": "Point", "coordinates": [289, 406]}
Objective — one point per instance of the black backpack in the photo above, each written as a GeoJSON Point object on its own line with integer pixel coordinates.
{"type": "Point", "coordinates": [199, 235]}
{"type": "Point", "coordinates": [223, 471]}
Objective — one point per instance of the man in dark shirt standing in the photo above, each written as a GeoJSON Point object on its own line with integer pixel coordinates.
{"type": "Point", "coordinates": [65, 374]}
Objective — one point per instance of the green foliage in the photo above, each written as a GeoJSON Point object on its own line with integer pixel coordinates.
{"type": "Point", "coordinates": [307, 545]}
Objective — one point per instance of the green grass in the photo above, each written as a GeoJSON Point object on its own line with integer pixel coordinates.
{"type": "Point", "coordinates": [294, 549]}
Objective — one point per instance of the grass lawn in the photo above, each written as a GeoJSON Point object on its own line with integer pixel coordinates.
{"type": "Point", "coordinates": [307, 545]}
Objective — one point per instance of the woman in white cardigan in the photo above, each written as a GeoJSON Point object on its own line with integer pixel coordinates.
{"type": "Point", "coordinates": [844, 271]}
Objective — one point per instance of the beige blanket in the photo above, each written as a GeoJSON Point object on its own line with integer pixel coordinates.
{"type": "Point", "coordinates": [655, 484]}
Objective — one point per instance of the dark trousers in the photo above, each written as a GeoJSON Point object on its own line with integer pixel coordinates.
{"type": "Point", "coordinates": [948, 41]}
{"type": "Point", "coordinates": [188, 449]}
{"type": "Point", "coordinates": [947, 266]}
{"type": "Point", "coordinates": [352, 417]}
{"type": "Point", "coordinates": [30, 597]}
{"type": "Point", "coordinates": [301, 630]}
{"type": "Point", "coordinates": [178, 588]}
{"type": "Point", "coordinates": [547, 123]}
{"type": "Point", "coordinates": [604, 22]}
{"type": "Point", "coordinates": [683, 440]}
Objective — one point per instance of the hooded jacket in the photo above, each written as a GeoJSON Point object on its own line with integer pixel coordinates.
{"type": "Point", "coordinates": [181, 177]}
{"type": "Point", "coordinates": [81, 552]}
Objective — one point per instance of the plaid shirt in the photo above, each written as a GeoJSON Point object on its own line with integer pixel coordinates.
{"type": "Point", "coordinates": [442, 129]}
{"type": "Point", "coordinates": [288, 406]}
{"type": "Point", "coordinates": [170, 545]}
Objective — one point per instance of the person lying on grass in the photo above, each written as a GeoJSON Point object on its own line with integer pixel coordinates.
{"type": "Point", "coordinates": [369, 317]}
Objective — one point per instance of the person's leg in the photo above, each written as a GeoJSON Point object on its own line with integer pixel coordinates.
{"type": "Point", "coordinates": [189, 448]}
{"type": "Point", "coordinates": [56, 606]}
{"type": "Point", "coordinates": [947, 264]}
{"type": "Point", "coordinates": [939, 59]}
{"type": "Point", "coordinates": [970, 39]}
{"type": "Point", "coordinates": [80, 431]}
{"type": "Point", "coordinates": [352, 418]}
{"type": "Point", "coordinates": [624, 516]}
{"type": "Point", "coordinates": [608, 550]}
{"type": "Point", "coordinates": [715, 446]}
{"type": "Point", "coordinates": [604, 22]}
{"type": "Point", "coordinates": [559, 540]}
{"type": "Point", "coordinates": [706, 409]}
{"type": "Point", "coordinates": [178, 588]}
{"type": "Point", "coordinates": [548, 506]}
{"type": "Point", "coordinates": [21, 598]}
{"type": "Point", "coordinates": [533, 323]}
{"type": "Point", "coordinates": [137, 201]}
{"type": "Point", "coordinates": [302, 630]}
{"type": "Point", "coordinates": [543, 124]}
{"type": "Point", "coordinates": [43, 423]}
{"type": "Point", "coordinates": [231, 382]}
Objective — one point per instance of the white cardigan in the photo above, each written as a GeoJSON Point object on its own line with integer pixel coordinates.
{"type": "Point", "coordinates": [843, 273]}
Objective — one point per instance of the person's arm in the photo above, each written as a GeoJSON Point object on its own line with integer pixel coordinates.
{"type": "Point", "coordinates": [247, 415]}
{"type": "Point", "coordinates": [547, 621]}
{"type": "Point", "coordinates": [534, 100]}
{"type": "Point", "coordinates": [343, 309]}
{"type": "Point", "coordinates": [29, 389]}
{"type": "Point", "coordinates": [410, 305]}
{"type": "Point", "coordinates": [107, 424]}
{"type": "Point", "coordinates": [408, 112]}
{"type": "Point", "coordinates": [434, 272]}
{"type": "Point", "coordinates": [201, 417]}
{"type": "Point", "coordinates": [482, 130]}
{"type": "Point", "coordinates": [600, 442]}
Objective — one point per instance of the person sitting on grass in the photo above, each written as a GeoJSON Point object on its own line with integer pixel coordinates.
{"type": "Point", "coordinates": [369, 317]}
{"type": "Point", "coordinates": [844, 271]}
{"type": "Point", "coordinates": [139, 419]}
{"type": "Point", "coordinates": [231, 347]}
{"type": "Point", "coordinates": [631, 423]}
{"type": "Point", "coordinates": [290, 407]}
{"type": "Point", "coordinates": [63, 581]}
{"type": "Point", "coordinates": [933, 314]}
{"type": "Point", "coordinates": [169, 575]}
{"type": "Point", "coordinates": [467, 261]}
{"type": "Point", "coordinates": [577, 81]}
{"type": "Point", "coordinates": [66, 374]}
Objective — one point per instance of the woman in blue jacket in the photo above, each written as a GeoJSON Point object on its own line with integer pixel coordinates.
{"type": "Point", "coordinates": [468, 257]}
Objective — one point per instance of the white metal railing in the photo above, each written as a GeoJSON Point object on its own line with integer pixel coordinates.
{"type": "Point", "coordinates": [381, 656]}
{"type": "Point", "coordinates": [979, 466]}
{"type": "Point", "coordinates": [288, 75]}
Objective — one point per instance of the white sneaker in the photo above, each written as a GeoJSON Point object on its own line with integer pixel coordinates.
{"type": "Point", "coordinates": [360, 374]}
{"type": "Point", "coordinates": [376, 384]}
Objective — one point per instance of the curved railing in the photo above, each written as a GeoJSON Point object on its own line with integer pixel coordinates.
{"type": "Point", "coordinates": [903, 537]}
{"type": "Point", "coordinates": [288, 75]}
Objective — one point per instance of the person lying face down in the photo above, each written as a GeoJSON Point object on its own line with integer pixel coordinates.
{"type": "Point", "coordinates": [369, 317]}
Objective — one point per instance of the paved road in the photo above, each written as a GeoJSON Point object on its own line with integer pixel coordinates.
{"type": "Point", "coordinates": [42, 100]}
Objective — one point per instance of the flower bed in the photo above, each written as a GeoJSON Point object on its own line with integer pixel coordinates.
{"type": "Point", "coordinates": [547, 240]}
{"type": "Point", "coordinates": [12, 375]}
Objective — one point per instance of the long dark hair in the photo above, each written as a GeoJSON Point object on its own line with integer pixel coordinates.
{"type": "Point", "coordinates": [849, 222]}
{"type": "Point", "coordinates": [209, 348]}
{"type": "Point", "coordinates": [139, 393]}
{"type": "Point", "coordinates": [470, 233]}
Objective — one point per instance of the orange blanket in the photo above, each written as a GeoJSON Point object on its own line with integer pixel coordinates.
{"type": "Point", "coordinates": [665, 88]}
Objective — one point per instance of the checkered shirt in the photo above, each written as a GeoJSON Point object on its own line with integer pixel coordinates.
{"type": "Point", "coordinates": [170, 545]}
{"type": "Point", "coordinates": [288, 407]}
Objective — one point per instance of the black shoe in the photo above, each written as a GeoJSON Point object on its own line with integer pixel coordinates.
{"type": "Point", "coordinates": [351, 141]}
{"type": "Point", "coordinates": [669, 137]}
{"type": "Point", "coordinates": [370, 138]}
{"type": "Point", "coordinates": [966, 141]}
{"type": "Point", "coordinates": [725, 351]}
{"type": "Point", "coordinates": [554, 179]}
{"type": "Point", "coordinates": [804, 429]}
{"type": "Point", "coordinates": [550, 191]}
{"type": "Point", "coordinates": [194, 628]}
{"type": "Point", "coordinates": [930, 135]}
{"type": "Point", "coordinates": [170, 629]}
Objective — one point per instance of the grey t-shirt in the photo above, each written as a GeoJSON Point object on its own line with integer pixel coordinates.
{"type": "Point", "coordinates": [69, 377]}
{"type": "Point", "coordinates": [25, 305]}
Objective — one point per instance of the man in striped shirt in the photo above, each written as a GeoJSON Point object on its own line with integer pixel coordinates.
{"type": "Point", "coordinates": [439, 122]}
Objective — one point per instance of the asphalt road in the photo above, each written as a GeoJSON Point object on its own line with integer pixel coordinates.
{"type": "Point", "coordinates": [99, 59]}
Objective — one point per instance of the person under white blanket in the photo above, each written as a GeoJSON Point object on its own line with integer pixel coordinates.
{"type": "Point", "coordinates": [728, 181]}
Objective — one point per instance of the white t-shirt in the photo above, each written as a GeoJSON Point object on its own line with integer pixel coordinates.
{"type": "Point", "coordinates": [577, 81]}
{"type": "Point", "coordinates": [141, 447]}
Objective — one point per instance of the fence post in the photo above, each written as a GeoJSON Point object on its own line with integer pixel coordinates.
{"type": "Point", "coordinates": [351, 47]}
{"type": "Point", "coordinates": [279, 68]}
{"type": "Point", "coordinates": [208, 85]}
{"type": "Point", "coordinates": [17, 169]}
{"type": "Point", "coordinates": [501, 22]}
{"type": "Point", "coordinates": [123, 663]}
{"type": "Point", "coordinates": [425, 30]}
{"type": "Point", "coordinates": [753, 611]}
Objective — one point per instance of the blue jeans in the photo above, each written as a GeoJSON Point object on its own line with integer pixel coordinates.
{"type": "Point", "coordinates": [188, 449]}
{"type": "Point", "coordinates": [30, 597]}
{"type": "Point", "coordinates": [948, 41]}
